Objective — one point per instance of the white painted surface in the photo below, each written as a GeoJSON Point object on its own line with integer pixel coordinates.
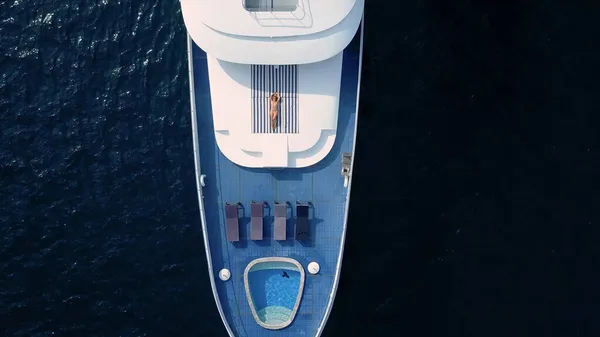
{"type": "Point", "coordinates": [224, 274]}
{"type": "Point", "coordinates": [230, 17]}
{"type": "Point", "coordinates": [318, 103]}
{"type": "Point", "coordinates": [278, 49]}
{"type": "Point", "coordinates": [313, 268]}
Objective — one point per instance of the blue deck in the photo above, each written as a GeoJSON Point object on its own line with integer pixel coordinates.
{"type": "Point", "coordinates": [321, 184]}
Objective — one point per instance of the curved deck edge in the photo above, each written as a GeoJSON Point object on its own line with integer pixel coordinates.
{"type": "Point", "coordinates": [290, 50]}
{"type": "Point", "coordinates": [196, 147]}
{"type": "Point", "coordinates": [338, 269]}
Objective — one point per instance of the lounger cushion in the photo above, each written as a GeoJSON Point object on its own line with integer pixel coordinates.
{"type": "Point", "coordinates": [232, 224]}
{"type": "Point", "coordinates": [256, 221]}
{"type": "Point", "coordinates": [302, 222]}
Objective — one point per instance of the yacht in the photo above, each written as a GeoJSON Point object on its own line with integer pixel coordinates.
{"type": "Point", "coordinates": [274, 89]}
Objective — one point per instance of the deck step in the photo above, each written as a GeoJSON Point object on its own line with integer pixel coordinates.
{"type": "Point", "coordinates": [266, 79]}
{"type": "Point", "coordinates": [275, 317]}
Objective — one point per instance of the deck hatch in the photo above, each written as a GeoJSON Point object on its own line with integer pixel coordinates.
{"type": "Point", "coordinates": [270, 5]}
{"type": "Point", "coordinates": [267, 79]}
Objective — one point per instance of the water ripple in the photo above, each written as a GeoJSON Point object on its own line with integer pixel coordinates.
{"type": "Point", "coordinates": [100, 221]}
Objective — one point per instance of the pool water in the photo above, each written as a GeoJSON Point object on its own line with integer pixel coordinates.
{"type": "Point", "coordinates": [274, 296]}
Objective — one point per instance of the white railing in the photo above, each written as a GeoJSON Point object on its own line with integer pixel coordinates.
{"type": "Point", "coordinates": [338, 269]}
{"type": "Point", "coordinates": [200, 182]}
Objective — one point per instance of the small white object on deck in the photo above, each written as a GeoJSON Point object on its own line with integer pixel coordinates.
{"type": "Point", "coordinates": [313, 268]}
{"type": "Point", "coordinates": [224, 274]}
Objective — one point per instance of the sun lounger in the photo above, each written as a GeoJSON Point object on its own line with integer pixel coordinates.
{"type": "Point", "coordinates": [301, 229]}
{"type": "Point", "coordinates": [280, 221]}
{"type": "Point", "coordinates": [256, 220]}
{"type": "Point", "coordinates": [232, 223]}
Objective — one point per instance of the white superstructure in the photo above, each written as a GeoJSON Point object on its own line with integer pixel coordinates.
{"type": "Point", "coordinates": [308, 34]}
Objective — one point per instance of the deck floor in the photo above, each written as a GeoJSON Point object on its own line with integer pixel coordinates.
{"type": "Point", "coordinates": [321, 184]}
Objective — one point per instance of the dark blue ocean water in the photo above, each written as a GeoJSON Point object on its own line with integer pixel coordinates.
{"type": "Point", "coordinates": [475, 202]}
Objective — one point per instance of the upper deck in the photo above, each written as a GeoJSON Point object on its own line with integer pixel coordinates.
{"type": "Point", "coordinates": [309, 32]}
{"type": "Point", "coordinates": [308, 111]}
{"type": "Point", "coordinates": [277, 18]}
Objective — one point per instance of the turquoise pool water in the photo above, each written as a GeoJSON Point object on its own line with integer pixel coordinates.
{"type": "Point", "coordinates": [274, 295]}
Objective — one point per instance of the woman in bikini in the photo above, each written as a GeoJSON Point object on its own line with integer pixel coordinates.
{"type": "Point", "coordinates": [274, 109]}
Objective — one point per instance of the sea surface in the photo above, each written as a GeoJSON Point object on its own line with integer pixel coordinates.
{"type": "Point", "coordinates": [475, 208]}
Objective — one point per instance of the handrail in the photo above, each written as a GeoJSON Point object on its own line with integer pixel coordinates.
{"type": "Point", "coordinates": [300, 6]}
{"type": "Point", "coordinates": [338, 269]}
{"type": "Point", "coordinates": [199, 182]}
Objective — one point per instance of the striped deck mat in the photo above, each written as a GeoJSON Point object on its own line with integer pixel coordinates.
{"type": "Point", "coordinates": [266, 79]}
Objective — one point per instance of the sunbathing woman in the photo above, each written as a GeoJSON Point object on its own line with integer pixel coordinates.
{"type": "Point", "coordinates": [274, 109]}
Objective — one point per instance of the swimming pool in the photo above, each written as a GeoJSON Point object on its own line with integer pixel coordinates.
{"type": "Point", "coordinates": [274, 288]}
